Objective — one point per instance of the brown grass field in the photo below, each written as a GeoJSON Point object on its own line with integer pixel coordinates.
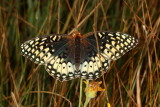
{"type": "Point", "coordinates": [131, 81]}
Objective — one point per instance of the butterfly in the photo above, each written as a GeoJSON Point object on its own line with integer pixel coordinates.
{"type": "Point", "coordinates": [67, 57]}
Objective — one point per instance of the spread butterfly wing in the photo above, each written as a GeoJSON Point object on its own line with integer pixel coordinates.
{"type": "Point", "coordinates": [93, 67]}
{"type": "Point", "coordinates": [92, 64]}
{"type": "Point", "coordinates": [42, 49]}
{"type": "Point", "coordinates": [53, 52]}
{"type": "Point", "coordinates": [112, 45]}
{"type": "Point", "coordinates": [62, 67]}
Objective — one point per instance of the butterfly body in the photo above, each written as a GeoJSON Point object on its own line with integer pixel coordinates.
{"type": "Point", "coordinates": [71, 56]}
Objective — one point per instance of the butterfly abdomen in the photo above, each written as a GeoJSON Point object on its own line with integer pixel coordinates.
{"type": "Point", "coordinates": [77, 51]}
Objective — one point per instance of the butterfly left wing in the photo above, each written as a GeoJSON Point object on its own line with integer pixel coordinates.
{"type": "Point", "coordinates": [94, 66]}
{"type": "Point", "coordinates": [103, 48]}
{"type": "Point", "coordinates": [112, 45]}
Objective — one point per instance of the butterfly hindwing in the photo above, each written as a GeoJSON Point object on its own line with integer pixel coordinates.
{"type": "Point", "coordinates": [61, 69]}
{"type": "Point", "coordinates": [93, 67]}
{"type": "Point", "coordinates": [62, 66]}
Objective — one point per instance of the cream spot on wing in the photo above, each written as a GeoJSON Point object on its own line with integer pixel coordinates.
{"type": "Point", "coordinates": [113, 38]}
{"type": "Point", "coordinates": [125, 43]}
{"type": "Point", "coordinates": [52, 50]}
{"type": "Point", "coordinates": [123, 36]}
{"type": "Point", "coordinates": [70, 67]}
{"type": "Point", "coordinates": [102, 59]}
{"type": "Point", "coordinates": [121, 51]}
{"type": "Point", "coordinates": [105, 55]}
{"type": "Point", "coordinates": [90, 67]}
{"type": "Point", "coordinates": [28, 49]}
{"type": "Point", "coordinates": [58, 75]}
{"type": "Point", "coordinates": [54, 38]}
{"type": "Point", "coordinates": [64, 68]}
{"type": "Point", "coordinates": [117, 54]}
{"type": "Point", "coordinates": [110, 34]}
{"type": "Point", "coordinates": [108, 53]}
{"type": "Point", "coordinates": [105, 64]}
{"type": "Point", "coordinates": [113, 50]}
{"type": "Point", "coordinates": [118, 47]}
{"type": "Point", "coordinates": [100, 35]}
{"type": "Point", "coordinates": [122, 44]}
{"type": "Point", "coordinates": [85, 66]}
{"type": "Point", "coordinates": [49, 66]}
{"type": "Point", "coordinates": [41, 43]}
{"type": "Point", "coordinates": [41, 47]}
{"type": "Point", "coordinates": [37, 59]}
{"type": "Point", "coordinates": [32, 50]}
{"type": "Point", "coordinates": [36, 52]}
{"type": "Point", "coordinates": [44, 39]}
{"type": "Point", "coordinates": [108, 46]}
{"type": "Point", "coordinates": [42, 61]}
{"type": "Point", "coordinates": [55, 65]}
{"type": "Point", "coordinates": [128, 41]}
{"type": "Point", "coordinates": [59, 37]}
{"type": "Point", "coordinates": [33, 56]}
{"type": "Point", "coordinates": [98, 61]}
{"type": "Point", "coordinates": [37, 39]}
{"type": "Point", "coordinates": [113, 43]}
{"type": "Point", "coordinates": [47, 57]}
{"type": "Point", "coordinates": [31, 42]}
{"type": "Point", "coordinates": [36, 43]}
{"type": "Point", "coordinates": [53, 60]}
{"type": "Point", "coordinates": [118, 34]}
{"type": "Point", "coordinates": [118, 37]}
{"type": "Point", "coordinates": [95, 66]}
{"type": "Point", "coordinates": [46, 50]}
{"type": "Point", "coordinates": [41, 55]}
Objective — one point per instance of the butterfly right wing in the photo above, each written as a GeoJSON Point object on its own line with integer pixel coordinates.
{"type": "Point", "coordinates": [52, 51]}
{"type": "Point", "coordinates": [41, 49]}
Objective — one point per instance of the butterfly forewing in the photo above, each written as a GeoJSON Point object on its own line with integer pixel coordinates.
{"type": "Point", "coordinates": [41, 49]}
{"type": "Point", "coordinates": [112, 45]}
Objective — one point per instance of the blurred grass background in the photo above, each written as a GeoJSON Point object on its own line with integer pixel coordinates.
{"type": "Point", "coordinates": [132, 81]}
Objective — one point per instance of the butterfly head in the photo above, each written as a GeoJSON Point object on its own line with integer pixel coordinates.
{"type": "Point", "coordinates": [76, 34]}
